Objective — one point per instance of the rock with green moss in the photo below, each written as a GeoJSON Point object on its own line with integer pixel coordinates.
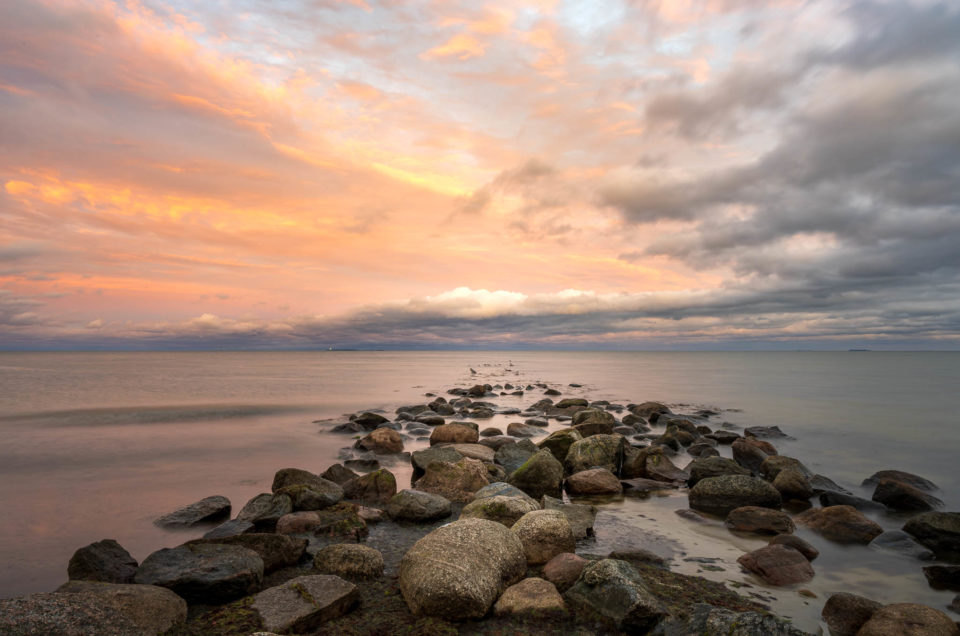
{"type": "Point", "coordinates": [296, 476]}
{"type": "Point", "coordinates": [416, 505]}
{"type": "Point", "coordinates": [306, 497]}
{"type": "Point", "coordinates": [568, 402]}
{"type": "Point", "coordinates": [505, 489]}
{"type": "Point", "coordinates": [708, 619]}
{"type": "Point", "coordinates": [423, 458]}
{"type": "Point", "coordinates": [341, 520]}
{"type": "Point", "coordinates": [603, 451]}
{"type": "Point", "coordinates": [349, 560]}
{"type": "Point", "coordinates": [456, 482]}
{"type": "Point", "coordinates": [720, 495]}
{"type": "Point", "coordinates": [512, 456]}
{"type": "Point", "coordinates": [305, 603]}
{"type": "Point", "coordinates": [204, 573]}
{"type": "Point", "coordinates": [615, 591]}
{"type": "Point", "coordinates": [383, 441]}
{"type": "Point", "coordinates": [544, 534]}
{"type": "Point", "coordinates": [376, 487]}
{"type": "Point", "coordinates": [502, 509]}
{"type": "Point", "coordinates": [594, 422]}
{"type": "Point", "coordinates": [277, 550]}
{"type": "Point", "coordinates": [540, 475]}
{"type": "Point", "coordinates": [713, 467]}
{"type": "Point", "coordinates": [559, 442]}
{"type": "Point", "coordinates": [581, 517]}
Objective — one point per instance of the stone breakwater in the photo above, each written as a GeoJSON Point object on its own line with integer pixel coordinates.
{"type": "Point", "coordinates": [493, 533]}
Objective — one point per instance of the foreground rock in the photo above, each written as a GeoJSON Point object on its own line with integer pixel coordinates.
{"type": "Point", "coordinates": [276, 550]}
{"type": "Point", "coordinates": [759, 520]}
{"type": "Point", "coordinates": [939, 531]}
{"type": "Point", "coordinates": [581, 517]}
{"type": "Point", "coordinates": [340, 521]}
{"type": "Point", "coordinates": [456, 482]}
{"type": "Point", "coordinates": [415, 505]}
{"type": "Point", "coordinates": [305, 603]}
{"type": "Point", "coordinates": [564, 569]}
{"type": "Point", "coordinates": [540, 475]}
{"type": "Point", "coordinates": [544, 534]}
{"type": "Point", "coordinates": [900, 496]}
{"type": "Point", "coordinates": [846, 613]}
{"type": "Point", "coordinates": [531, 598]}
{"type": "Point", "coordinates": [778, 565]}
{"type": "Point", "coordinates": [457, 571]}
{"type": "Point", "coordinates": [349, 560]}
{"type": "Point", "coordinates": [720, 495]}
{"type": "Point", "coordinates": [81, 608]}
{"type": "Point", "coordinates": [595, 481]}
{"type": "Point", "coordinates": [909, 618]}
{"type": "Point", "coordinates": [204, 573]}
{"type": "Point", "coordinates": [843, 524]}
{"type": "Point", "coordinates": [943, 577]}
{"type": "Point", "coordinates": [500, 508]}
{"type": "Point", "coordinates": [105, 561]}
{"type": "Point", "coordinates": [559, 442]}
{"type": "Point", "coordinates": [454, 434]}
{"type": "Point", "coordinates": [708, 619]}
{"type": "Point", "coordinates": [206, 510]}
{"type": "Point", "coordinates": [798, 544]}
{"type": "Point", "coordinates": [614, 590]}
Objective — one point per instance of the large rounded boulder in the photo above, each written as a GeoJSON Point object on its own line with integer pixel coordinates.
{"type": "Point", "coordinates": [559, 442]}
{"type": "Point", "coordinates": [540, 475]}
{"type": "Point", "coordinates": [204, 573]}
{"type": "Point", "coordinates": [415, 505]}
{"type": "Point", "coordinates": [604, 451]}
{"type": "Point", "coordinates": [720, 495]}
{"type": "Point", "coordinates": [457, 571]}
{"type": "Point", "coordinates": [500, 508]}
{"type": "Point", "coordinates": [544, 534]}
{"type": "Point", "coordinates": [939, 531]}
{"type": "Point", "coordinates": [713, 467]}
{"type": "Point", "coordinates": [843, 524]}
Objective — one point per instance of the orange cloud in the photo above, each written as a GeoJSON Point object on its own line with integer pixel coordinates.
{"type": "Point", "coordinates": [462, 46]}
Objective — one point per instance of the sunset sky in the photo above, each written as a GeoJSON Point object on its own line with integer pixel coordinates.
{"type": "Point", "coordinates": [581, 174]}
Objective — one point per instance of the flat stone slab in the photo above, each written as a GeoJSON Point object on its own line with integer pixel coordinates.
{"type": "Point", "coordinates": [207, 509]}
{"type": "Point", "coordinates": [304, 603]}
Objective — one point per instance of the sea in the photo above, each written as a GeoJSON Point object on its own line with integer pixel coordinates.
{"type": "Point", "coordinates": [97, 445]}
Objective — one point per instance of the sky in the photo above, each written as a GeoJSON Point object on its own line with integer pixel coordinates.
{"type": "Point", "coordinates": [586, 174]}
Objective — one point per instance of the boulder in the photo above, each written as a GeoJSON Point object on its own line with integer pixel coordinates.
{"type": "Point", "coordinates": [603, 451]}
{"type": "Point", "coordinates": [939, 531]}
{"type": "Point", "coordinates": [206, 510]}
{"type": "Point", "coordinates": [657, 466]}
{"type": "Point", "coordinates": [564, 569]}
{"type": "Point", "coordinates": [423, 458]}
{"type": "Point", "coordinates": [376, 487]}
{"type": "Point", "coordinates": [540, 475]}
{"type": "Point", "coordinates": [349, 560]}
{"type": "Point", "coordinates": [559, 442]}
{"type": "Point", "coordinates": [338, 474]}
{"type": "Point", "coordinates": [778, 565]}
{"type": "Point", "coordinates": [105, 561]}
{"type": "Point", "coordinates": [518, 429]}
{"type": "Point", "coordinates": [415, 505]}
{"type": "Point", "coordinates": [384, 441]}
{"type": "Point", "coordinates": [703, 449]}
{"type": "Point", "coordinates": [276, 550]}
{"type": "Point", "coordinates": [720, 495]}
{"type": "Point", "coordinates": [581, 517]}
{"type": "Point", "coordinates": [476, 451]}
{"type": "Point", "coordinates": [792, 484]}
{"type": "Point", "coordinates": [310, 497]}
{"type": "Point", "coordinates": [708, 619]}
{"type": "Point", "coordinates": [491, 432]}
{"type": "Point", "coordinates": [457, 482]}
{"type": "Point", "coordinates": [568, 402]}
{"type": "Point", "coordinates": [502, 509]}
{"type": "Point", "coordinates": [593, 422]}
{"type": "Point", "coordinates": [614, 590]}
{"type": "Point", "coordinates": [909, 618]}
{"type": "Point", "coordinates": [943, 577]}
{"type": "Point", "coordinates": [504, 489]}
{"type": "Point", "coordinates": [544, 534]}
{"type": "Point", "coordinates": [846, 613]}
{"type": "Point", "coordinates": [646, 409]}
{"type": "Point", "coordinates": [903, 497]}
{"type": "Point", "coordinates": [512, 456]}
{"type": "Point", "coordinates": [595, 481]}
{"type": "Point", "coordinates": [900, 542]}
{"type": "Point", "coordinates": [773, 464]}
{"type": "Point", "coordinates": [204, 573]}
{"type": "Point", "coordinates": [530, 599]}
{"type": "Point", "coordinates": [341, 520]}
{"type": "Point", "coordinates": [641, 487]}
{"type": "Point", "coordinates": [230, 528]}
{"type": "Point", "coordinates": [723, 437]}
{"type": "Point", "coordinates": [843, 524]}
{"type": "Point", "coordinates": [830, 498]}
{"type": "Point", "coordinates": [454, 433]}
{"type": "Point", "coordinates": [765, 432]}
{"type": "Point", "coordinates": [823, 484]}
{"type": "Point", "coordinates": [713, 467]}
{"type": "Point", "coordinates": [457, 571]}
{"type": "Point", "coordinates": [903, 477]}
{"type": "Point", "coordinates": [80, 608]}
{"type": "Point", "coordinates": [759, 520]}
{"type": "Point", "coordinates": [305, 603]}
{"type": "Point", "coordinates": [749, 454]}
{"type": "Point", "coordinates": [798, 544]}
{"type": "Point", "coordinates": [296, 477]}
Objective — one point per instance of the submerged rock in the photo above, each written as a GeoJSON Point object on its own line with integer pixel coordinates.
{"type": "Point", "coordinates": [720, 495]}
{"type": "Point", "coordinates": [206, 510]}
{"type": "Point", "coordinates": [457, 571]}
{"type": "Point", "coordinates": [943, 577]}
{"type": "Point", "coordinates": [104, 561]}
{"type": "Point", "coordinates": [204, 573]}
{"type": "Point", "coordinates": [797, 544]}
{"type": "Point", "coordinates": [939, 531]}
{"type": "Point", "coordinates": [759, 520]}
{"type": "Point", "coordinates": [904, 477]}
{"type": "Point", "coordinates": [830, 498]}
{"type": "Point", "coordinates": [843, 524]}
{"type": "Point", "coordinates": [615, 591]}
{"type": "Point", "coordinates": [901, 543]}
{"type": "Point", "coordinates": [305, 603]}
{"type": "Point", "coordinates": [898, 495]}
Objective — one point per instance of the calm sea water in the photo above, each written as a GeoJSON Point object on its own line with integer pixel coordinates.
{"type": "Point", "coordinates": [96, 445]}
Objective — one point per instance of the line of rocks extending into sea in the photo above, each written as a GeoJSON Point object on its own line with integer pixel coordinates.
{"type": "Point", "coordinates": [347, 552]}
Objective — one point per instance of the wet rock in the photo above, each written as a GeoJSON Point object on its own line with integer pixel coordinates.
{"type": "Point", "coordinates": [370, 421]}
{"type": "Point", "coordinates": [264, 510]}
{"type": "Point", "coordinates": [305, 603]}
{"type": "Point", "coordinates": [383, 441]}
{"type": "Point", "coordinates": [943, 577]}
{"type": "Point", "coordinates": [593, 422]}
{"type": "Point", "coordinates": [843, 524]}
{"type": "Point", "coordinates": [206, 510]}
{"type": "Point", "coordinates": [544, 534]}
{"type": "Point", "coordinates": [759, 520]}
{"type": "Point", "coordinates": [657, 466]}
{"type": "Point", "coordinates": [338, 474]}
{"type": "Point", "coordinates": [105, 561]}
{"type": "Point", "coordinates": [707, 619]}
{"type": "Point", "coordinates": [723, 437]}
{"type": "Point", "coordinates": [230, 528]}
{"type": "Point", "coordinates": [614, 590]}
{"type": "Point", "coordinates": [457, 482]}
{"type": "Point", "coordinates": [308, 498]}
{"type": "Point", "coordinates": [639, 556]}
{"type": "Point", "coordinates": [939, 531]}
{"type": "Point", "coordinates": [642, 487]}
{"type": "Point", "coordinates": [415, 505]}
{"type": "Point", "coordinates": [909, 618]}
{"type": "Point", "coordinates": [80, 608]}
{"type": "Point", "coordinates": [773, 464]}
{"type": "Point", "coordinates": [720, 495]}
{"type": "Point", "coordinates": [475, 451]}
{"type": "Point", "coordinates": [457, 571]}
{"type": "Point", "coordinates": [748, 454]}
{"type": "Point", "coordinates": [568, 402]}
{"type": "Point", "coordinates": [765, 432]}
{"type": "Point", "coordinates": [559, 442]}
{"type": "Point", "coordinates": [646, 409]}
{"type": "Point", "coordinates": [703, 449]}
{"type": "Point", "coordinates": [904, 477]}
{"type": "Point", "coordinates": [830, 498]}
{"type": "Point", "coordinates": [693, 515]}
{"type": "Point", "coordinates": [581, 517]}
{"type": "Point", "coordinates": [595, 481]}
{"type": "Point", "coordinates": [798, 544]}
{"type": "Point", "coordinates": [478, 390]}
{"type": "Point", "coordinates": [792, 484]}
{"type": "Point", "coordinates": [536, 421]}
{"type": "Point", "coordinates": [296, 477]}
{"type": "Point", "coordinates": [204, 573]}
{"type": "Point", "coordinates": [530, 599]}
{"type": "Point", "coordinates": [564, 569]}
{"type": "Point", "coordinates": [370, 515]}
{"type": "Point", "coordinates": [429, 418]}
{"type": "Point", "coordinates": [423, 458]}
{"type": "Point", "coordinates": [454, 434]}
{"type": "Point", "coordinates": [846, 613]}
{"type": "Point", "coordinates": [901, 543]}
{"type": "Point", "coordinates": [713, 467]}
{"type": "Point", "coordinates": [376, 487]}
{"type": "Point", "coordinates": [604, 451]}
{"type": "Point", "coordinates": [823, 484]}
{"type": "Point", "coordinates": [276, 550]}
{"type": "Point", "coordinates": [778, 565]}
{"type": "Point", "coordinates": [349, 561]}
{"type": "Point", "coordinates": [516, 429]}
{"type": "Point", "coordinates": [363, 464]}
{"type": "Point", "coordinates": [540, 475]}
{"type": "Point", "coordinates": [498, 441]}
{"type": "Point", "coordinates": [513, 456]}
{"type": "Point", "coordinates": [503, 489]}
{"type": "Point", "coordinates": [900, 496]}
{"type": "Point", "coordinates": [502, 509]}
{"type": "Point", "coordinates": [490, 432]}
{"type": "Point", "coordinates": [341, 520]}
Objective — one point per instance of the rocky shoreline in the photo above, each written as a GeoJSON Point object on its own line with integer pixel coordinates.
{"type": "Point", "coordinates": [493, 533]}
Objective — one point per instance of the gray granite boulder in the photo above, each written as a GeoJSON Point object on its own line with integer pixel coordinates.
{"type": "Point", "coordinates": [349, 560]}
{"type": "Point", "coordinates": [713, 467]}
{"type": "Point", "coordinates": [305, 603]}
{"type": "Point", "coordinates": [559, 442]}
{"type": "Point", "coordinates": [104, 561]}
{"type": "Point", "coordinates": [720, 495]}
{"type": "Point", "coordinates": [843, 524]}
{"type": "Point", "coordinates": [500, 508]}
{"type": "Point", "coordinates": [604, 451]}
{"type": "Point", "coordinates": [581, 517]}
{"type": "Point", "coordinates": [846, 613]}
{"type": "Point", "coordinates": [204, 573]}
{"type": "Point", "coordinates": [544, 534]}
{"type": "Point", "coordinates": [540, 475]}
{"type": "Point", "coordinates": [206, 510]}
{"type": "Point", "coordinates": [423, 458]}
{"type": "Point", "coordinates": [903, 497]}
{"type": "Point", "coordinates": [615, 591]}
{"type": "Point", "coordinates": [707, 619]}
{"type": "Point", "coordinates": [265, 509]}
{"type": "Point", "coordinates": [277, 550]}
{"type": "Point", "coordinates": [416, 505]}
